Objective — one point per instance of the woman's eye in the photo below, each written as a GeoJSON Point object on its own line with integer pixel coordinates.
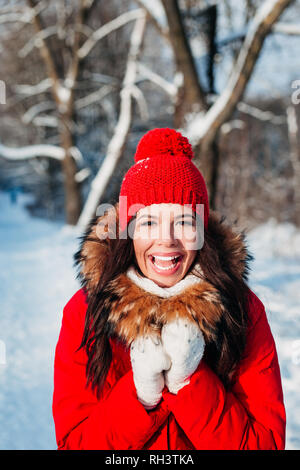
{"type": "Point", "coordinates": [147, 223]}
{"type": "Point", "coordinates": [150, 222]}
{"type": "Point", "coordinates": [185, 222]}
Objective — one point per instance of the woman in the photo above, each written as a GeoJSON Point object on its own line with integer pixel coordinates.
{"type": "Point", "coordinates": [165, 346]}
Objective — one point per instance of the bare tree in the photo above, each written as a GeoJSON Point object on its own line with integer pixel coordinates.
{"type": "Point", "coordinates": [191, 97]}
{"type": "Point", "coordinates": [201, 119]}
{"type": "Point", "coordinates": [62, 93]}
{"type": "Point", "coordinates": [202, 127]}
{"type": "Point", "coordinates": [118, 141]}
{"type": "Point", "coordinates": [61, 81]}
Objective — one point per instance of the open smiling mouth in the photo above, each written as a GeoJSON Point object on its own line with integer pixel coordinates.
{"type": "Point", "coordinates": [165, 265]}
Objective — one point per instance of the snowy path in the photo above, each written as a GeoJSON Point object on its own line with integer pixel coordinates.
{"type": "Point", "coordinates": [36, 281]}
{"type": "Point", "coordinates": [275, 279]}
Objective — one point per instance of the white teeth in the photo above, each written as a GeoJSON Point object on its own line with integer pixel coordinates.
{"type": "Point", "coordinates": [164, 268]}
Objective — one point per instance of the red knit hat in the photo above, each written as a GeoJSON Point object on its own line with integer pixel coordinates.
{"type": "Point", "coordinates": [163, 173]}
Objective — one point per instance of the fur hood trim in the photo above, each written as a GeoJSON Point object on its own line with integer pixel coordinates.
{"type": "Point", "coordinates": [137, 306]}
{"type": "Point", "coordinates": [150, 286]}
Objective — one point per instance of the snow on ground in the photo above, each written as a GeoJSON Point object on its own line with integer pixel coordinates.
{"type": "Point", "coordinates": [275, 278]}
{"type": "Point", "coordinates": [37, 279]}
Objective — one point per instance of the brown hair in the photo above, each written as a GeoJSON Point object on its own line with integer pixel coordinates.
{"type": "Point", "coordinates": [97, 332]}
{"type": "Point", "coordinates": [222, 354]}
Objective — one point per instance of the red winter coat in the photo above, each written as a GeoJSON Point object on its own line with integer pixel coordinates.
{"type": "Point", "coordinates": [203, 415]}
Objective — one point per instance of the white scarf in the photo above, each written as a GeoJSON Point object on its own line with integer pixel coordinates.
{"type": "Point", "coordinates": [151, 286]}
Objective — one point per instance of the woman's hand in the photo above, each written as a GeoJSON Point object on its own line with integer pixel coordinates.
{"type": "Point", "coordinates": [149, 360]}
{"type": "Point", "coordinates": [183, 342]}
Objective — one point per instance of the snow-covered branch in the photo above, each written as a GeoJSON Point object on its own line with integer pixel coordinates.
{"type": "Point", "coordinates": [170, 88]}
{"type": "Point", "coordinates": [82, 175]}
{"type": "Point", "coordinates": [163, 31]}
{"type": "Point", "coordinates": [203, 129]}
{"type": "Point", "coordinates": [141, 102]}
{"type": "Point", "coordinates": [31, 90]}
{"type": "Point", "coordinates": [36, 109]}
{"type": "Point", "coordinates": [43, 150]}
{"type": "Point", "coordinates": [36, 41]}
{"type": "Point", "coordinates": [46, 121]}
{"type": "Point", "coordinates": [107, 29]}
{"type": "Point", "coordinates": [255, 112]}
{"type": "Point", "coordinates": [31, 151]}
{"type": "Point", "coordinates": [43, 46]}
{"type": "Point", "coordinates": [118, 141]}
{"type": "Point", "coordinates": [227, 127]}
{"type": "Point", "coordinates": [260, 114]}
{"type": "Point", "coordinates": [26, 16]}
{"type": "Point", "coordinates": [99, 78]}
{"type": "Point", "coordinates": [287, 28]}
{"type": "Point", "coordinates": [93, 97]}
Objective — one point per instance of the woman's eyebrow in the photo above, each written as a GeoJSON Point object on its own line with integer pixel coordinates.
{"type": "Point", "coordinates": [156, 217]}
{"type": "Point", "coordinates": [147, 215]}
{"type": "Point", "coordinates": [185, 215]}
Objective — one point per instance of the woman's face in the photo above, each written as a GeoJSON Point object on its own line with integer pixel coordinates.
{"type": "Point", "coordinates": [162, 242]}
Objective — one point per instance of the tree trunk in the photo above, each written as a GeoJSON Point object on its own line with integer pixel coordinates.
{"type": "Point", "coordinates": [294, 158]}
{"type": "Point", "coordinates": [119, 138]}
{"type": "Point", "coordinates": [73, 203]}
{"type": "Point", "coordinates": [208, 162]}
{"type": "Point", "coordinates": [204, 129]}
{"type": "Point", "coordinates": [191, 97]}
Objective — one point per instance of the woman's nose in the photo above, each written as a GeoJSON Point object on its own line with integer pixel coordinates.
{"type": "Point", "coordinates": [166, 234]}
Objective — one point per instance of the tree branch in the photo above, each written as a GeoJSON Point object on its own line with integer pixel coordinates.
{"type": "Point", "coordinates": [107, 29]}
{"type": "Point", "coordinates": [164, 32]}
{"type": "Point", "coordinates": [11, 15]}
{"type": "Point", "coordinates": [72, 73]}
{"type": "Point", "coordinates": [36, 109]}
{"type": "Point", "coordinates": [93, 97]}
{"type": "Point", "coordinates": [193, 90]}
{"type": "Point", "coordinates": [202, 130]}
{"type": "Point", "coordinates": [260, 114]}
{"type": "Point", "coordinates": [118, 141]}
{"type": "Point", "coordinates": [35, 41]}
{"type": "Point", "coordinates": [30, 90]}
{"type": "Point", "coordinates": [44, 49]}
{"type": "Point", "coordinates": [32, 151]}
{"type": "Point", "coordinates": [170, 88]}
{"type": "Point", "coordinates": [287, 28]}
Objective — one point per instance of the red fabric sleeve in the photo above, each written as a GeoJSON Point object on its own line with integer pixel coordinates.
{"type": "Point", "coordinates": [116, 421]}
{"type": "Point", "coordinates": [251, 415]}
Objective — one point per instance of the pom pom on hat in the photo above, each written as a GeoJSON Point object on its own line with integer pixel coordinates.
{"type": "Point", "coordinates": [163, 173]}
{"type": "Point", "coordinates": [163, 143]}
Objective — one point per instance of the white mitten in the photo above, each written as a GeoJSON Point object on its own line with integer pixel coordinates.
{"type": "Point", "coordinates": [149, 360]}
{"type": "Point", "coordinates": [183, 342]}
